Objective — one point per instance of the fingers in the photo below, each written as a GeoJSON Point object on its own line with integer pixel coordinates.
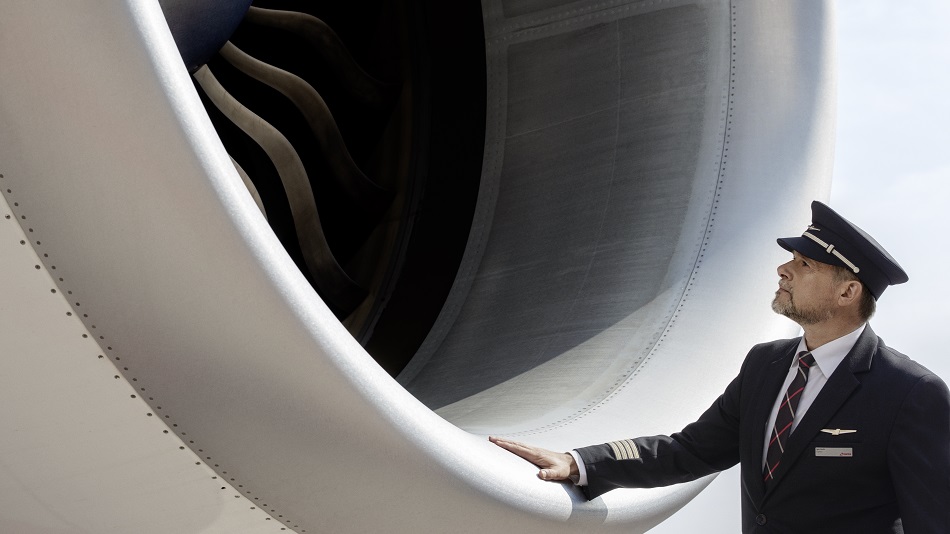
{"type": "Point", "coordinates": [532, 454]}
{"type": "Point", "coordinates": [554, 466]}
{"type": "Point", "coordinates": [509, 445]}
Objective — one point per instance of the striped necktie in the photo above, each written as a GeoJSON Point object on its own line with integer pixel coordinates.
{"type": "Point", "coordinates": [786, 415]}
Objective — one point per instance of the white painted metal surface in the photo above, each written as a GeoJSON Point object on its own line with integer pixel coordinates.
{"type": "Point", "coordinates": [136, 218]}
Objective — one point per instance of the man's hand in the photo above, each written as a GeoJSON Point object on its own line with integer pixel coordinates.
{"type": "Point", "coordinates": [554, 465]}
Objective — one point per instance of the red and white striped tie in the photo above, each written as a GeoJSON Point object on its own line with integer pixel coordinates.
{"type": "Point", "coordinates": [786, 415]}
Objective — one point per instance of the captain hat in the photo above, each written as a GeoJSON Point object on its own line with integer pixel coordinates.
{"type": "Point", "coordinates": [834, 240]}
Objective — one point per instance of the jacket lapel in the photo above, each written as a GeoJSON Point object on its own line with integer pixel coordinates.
{"type": "Point", "coordinates": [763, 401]}
{"type": "Point", "coordinates": [835, 392]}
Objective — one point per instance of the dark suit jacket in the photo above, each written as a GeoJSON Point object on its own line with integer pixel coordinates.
{"type": "Point", "coordinates": [897, 479]}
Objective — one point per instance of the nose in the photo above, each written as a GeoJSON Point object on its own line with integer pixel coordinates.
{"type": "Point", "coordinates": [783, 271]}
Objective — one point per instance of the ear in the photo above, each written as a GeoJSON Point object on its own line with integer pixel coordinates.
{"type": "Point", "coordinates": [849, 293]}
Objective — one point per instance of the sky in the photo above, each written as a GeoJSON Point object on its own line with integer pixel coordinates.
{"type": "Point", "coordinates": [891, 178]}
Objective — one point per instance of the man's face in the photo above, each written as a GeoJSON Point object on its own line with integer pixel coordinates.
{"type": "Point", "coordinates": [807, 291]}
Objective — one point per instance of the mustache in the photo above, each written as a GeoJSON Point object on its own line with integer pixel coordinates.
{"type": "Point", "coordinates": [782, 284]}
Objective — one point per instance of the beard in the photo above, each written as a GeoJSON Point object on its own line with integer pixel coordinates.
{"type": "Point", "coordinates": [801, 315]}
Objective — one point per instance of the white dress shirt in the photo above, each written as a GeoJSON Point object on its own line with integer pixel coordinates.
{"type": "Point", "coordinates": [827, 359]}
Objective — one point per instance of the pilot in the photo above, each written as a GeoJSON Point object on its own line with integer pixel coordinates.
{"type": "Point", "coordinates": [835, 431]}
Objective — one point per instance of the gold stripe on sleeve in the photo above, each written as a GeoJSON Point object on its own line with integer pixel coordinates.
{"type": "Point", "coordinates": [625, 449]}
{"type": "Point", "coordinates": [618, 452]}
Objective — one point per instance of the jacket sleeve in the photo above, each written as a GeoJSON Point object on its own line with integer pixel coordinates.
{"type": "Point", "coordinates": [918, 457]}
{"type": "Point", "coordinates": [709, 445]}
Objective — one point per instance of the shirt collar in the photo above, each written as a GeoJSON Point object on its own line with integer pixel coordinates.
{"type": "Point", "coordinates": [831, 354]}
